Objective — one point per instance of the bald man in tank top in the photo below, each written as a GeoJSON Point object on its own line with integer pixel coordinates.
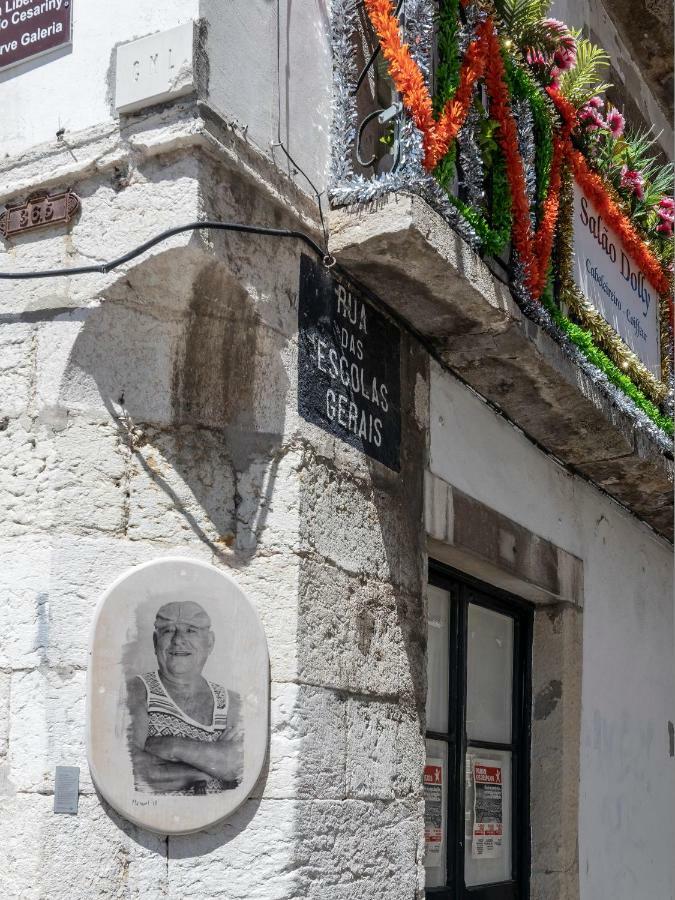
{"type": "Point", "coordinates": [185, 735]}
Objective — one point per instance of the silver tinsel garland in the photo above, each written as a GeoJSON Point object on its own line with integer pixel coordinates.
{"type": "Point", "coordinates": [471, 158]}
{"type": "Point", "coordinates": [410, 177]}
{"type": "Point", "coordinates": [525, 127]}
{"type": "Point", "coordinates": [346, 187]}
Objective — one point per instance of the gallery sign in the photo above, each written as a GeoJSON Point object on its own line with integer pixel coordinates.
{"type": "Point", "coordinates": [349, 378]}
{"type": "Point", "coordinates": [29, 28]}
{"type": "Point", "coordinates": [614, 284]}
{"type": "Point", "coordinates": [177, 696]}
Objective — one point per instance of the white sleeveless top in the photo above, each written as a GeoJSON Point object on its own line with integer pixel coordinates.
{"type": "Point", "coordinates": [167, 719]}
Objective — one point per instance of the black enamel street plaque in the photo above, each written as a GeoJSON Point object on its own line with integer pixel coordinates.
{"type": "Point", "coordinates": [349, 376]}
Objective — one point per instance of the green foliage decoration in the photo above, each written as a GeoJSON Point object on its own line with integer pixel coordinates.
{"type": "Point", "coordinates": [447, 72]}
{"type": "Point", "coordinates": [523, 86]}
{"type": "Point", "coordinates": [584, 341]}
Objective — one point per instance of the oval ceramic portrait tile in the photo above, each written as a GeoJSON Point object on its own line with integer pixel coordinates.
{"type": "Point", "coordinates": [177, 696]}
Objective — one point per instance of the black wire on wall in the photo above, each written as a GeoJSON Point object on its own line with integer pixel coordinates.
{"type": "Point", "coordinates": [104, 267]}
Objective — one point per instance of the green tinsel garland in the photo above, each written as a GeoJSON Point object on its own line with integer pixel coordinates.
{"type": "Point", "coordinates": [524, 87]}
{"type": "Point", "coordinates": [495, 234]}
{"type": "Point", "coordinates": [584, 341]}
{"type": "Point", "coordinates": [494, 237]}
{"type": "Point", "coordinates": [447, 72]}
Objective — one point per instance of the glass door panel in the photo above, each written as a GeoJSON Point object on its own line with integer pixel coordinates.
{"type": "Point", "coordinates": [489, 686]}
{"type": "Point", "coordinates": [438, 649]}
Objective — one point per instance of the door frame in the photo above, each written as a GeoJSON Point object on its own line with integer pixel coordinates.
{"type": "Point", "coordinates": [522, 613]}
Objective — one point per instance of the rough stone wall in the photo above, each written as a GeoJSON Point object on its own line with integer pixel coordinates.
{"type": "Point", "coordinates": [638, 36]}
{"type": "Point", "coordinates": [154, 411]}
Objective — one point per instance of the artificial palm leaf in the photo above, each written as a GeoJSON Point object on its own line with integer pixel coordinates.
{"type": "Point", "coordinates": [585, 79]}
{"type": "Point", "coordinates": [521, 16]}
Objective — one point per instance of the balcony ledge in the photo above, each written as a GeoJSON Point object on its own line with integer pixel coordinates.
{"type": "Point", "coordinates": [406, 254]}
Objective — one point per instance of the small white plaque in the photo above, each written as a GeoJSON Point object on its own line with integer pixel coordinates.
{"type": "Point", "coordinates": [610, 279]}
{"type": "Point", "coordinates": [155, 69]}
{"type": "Point", "coordinates": [177, 696]}
{"type": "Point", "coordinates": [66, 789]}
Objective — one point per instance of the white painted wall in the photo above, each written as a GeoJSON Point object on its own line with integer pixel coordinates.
{"type": "Point", "coordinates": [71, 88]}
{"type": "Point", "coordinates": [627, 796]}
{"type": "Point", "coordinates": [270, 65]}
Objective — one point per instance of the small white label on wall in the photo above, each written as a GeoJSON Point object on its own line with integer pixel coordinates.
{"type": "Point", "coordinates": [155, 69]}
{"type": "Point", "coordinates": [611, 280]}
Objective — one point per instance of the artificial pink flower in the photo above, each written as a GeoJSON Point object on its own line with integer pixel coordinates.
{"type": "Point", "coordinates": [666, 213]}
{"type": "Point", "coordinates": [591, 119]}
{"type": "Point", "coordinates": [535, 58]}
{"type": "Point", "coordinates": [615, 122]}
{"type": "Point", "coordinates": [595, 103]}
{"type": "Point", "coordinates": [633, 181]}
{"type": "Point", "coordinates": [565, 57]}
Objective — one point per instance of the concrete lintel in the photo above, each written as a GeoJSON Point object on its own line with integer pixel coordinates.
{"type": "Point", "coordinates": [403, 251]}
{"type": "Point", "coordinates": [471, 536]}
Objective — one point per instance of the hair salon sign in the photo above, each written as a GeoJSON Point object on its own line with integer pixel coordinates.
{"type": "Point", "coordinates": [614, 284]}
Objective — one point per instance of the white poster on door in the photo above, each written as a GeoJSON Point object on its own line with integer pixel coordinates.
{"type": "Point", "coordinates": [488, 812]}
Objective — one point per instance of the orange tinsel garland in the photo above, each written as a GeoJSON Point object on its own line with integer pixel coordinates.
{"type": "Point", "coordinates": [404, 71]}
{"type": "Point", "coordinates": [437, 136]}
{"type": "Point", "coordinates": [507, 137]}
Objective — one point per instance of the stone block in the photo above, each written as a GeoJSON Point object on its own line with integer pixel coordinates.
{"type": "Point", "coordinates": [358, 850]}
{"type": "Point", "coordinates": [231, 369]}
{"type": "Point", "coordinates": [556, 735]}
{"type": "Point", "coordinates": [47, 727]}
{"type": "Point", "coordinates": [26, 459]}
{"type": "Point", "coordinates": [106, 359]}
{"type": "Point", "coordinates": [358, 634]}
{"type": "Point", "coordinates": [307, 752]}
{"type": "Point", "coordinates": [361, 527]}
{"type": "Point", "coordinates": [16, 368]}
{"type": "Point", "coordinates": [268, 510]}
{"type": "Point", "coordinates": [181, 487]}
{"type": "Point", "coordinates": [154, 69]}
{"type": "Point", "coordinates": [249, 857]}
{"type": "Point", "coordinates": [271, 583]}
{"type": "Point", "coordinates": [65, 857]}
{"type": "Point", "coordinates": [85, 482]}
{"type": "Point", "coordinates": [385, 751]}
{"type": "Point", "coordinates": [4, 715]}
{"type": "Point", "coordinates": [82, 479]}
{"type": "Point", "coordinates": [24, 609]}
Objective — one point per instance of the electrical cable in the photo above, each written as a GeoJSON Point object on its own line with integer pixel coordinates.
{"type": "Point", "coordinates": [105, 267]}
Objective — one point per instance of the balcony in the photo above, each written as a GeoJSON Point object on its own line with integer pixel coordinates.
{"type": "Point", "coordinates": [496, 293]}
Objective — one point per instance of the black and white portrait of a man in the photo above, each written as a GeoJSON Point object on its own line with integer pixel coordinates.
{"type": "Point", "coordinates": [185, 735]}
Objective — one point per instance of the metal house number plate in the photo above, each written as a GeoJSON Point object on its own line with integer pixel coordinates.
{"type": "Point", "coordinates": [39, 211]}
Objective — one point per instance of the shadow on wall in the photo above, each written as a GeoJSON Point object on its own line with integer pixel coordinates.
{"type": "Point", "coordinates": [180, 360]}
{"type": "Point", "coordinates": [177, 363]}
